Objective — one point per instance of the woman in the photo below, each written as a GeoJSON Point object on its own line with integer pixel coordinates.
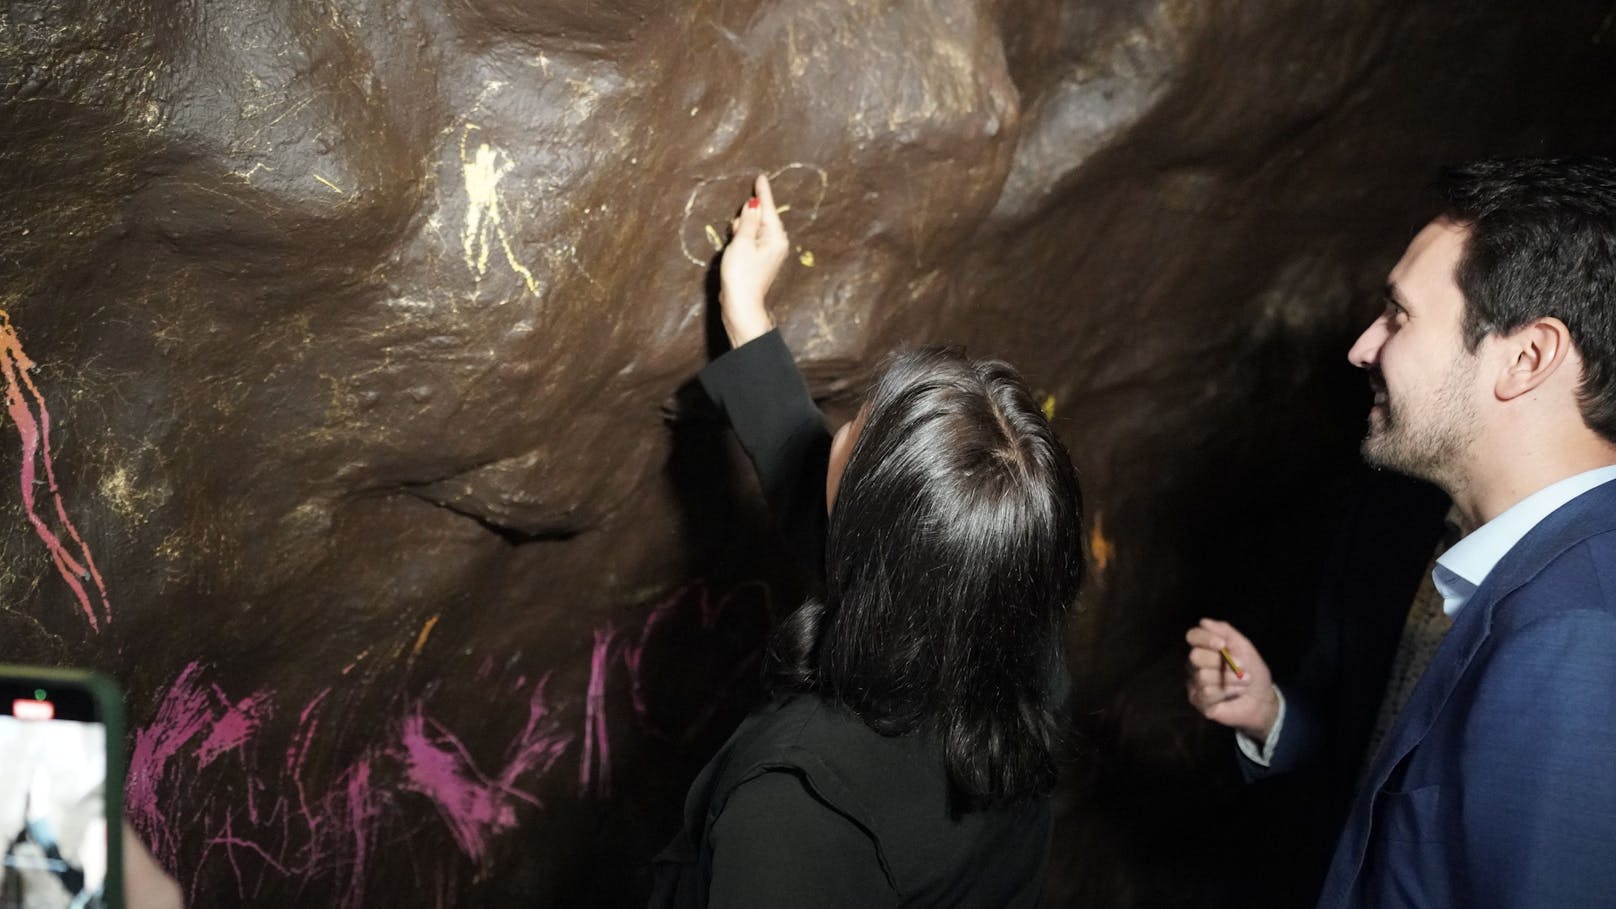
{"type": "Point", "coordinates": [908, 757]}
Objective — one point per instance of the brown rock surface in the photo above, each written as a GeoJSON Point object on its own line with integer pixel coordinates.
{"type": "Point", "coordinates": [346, 341]}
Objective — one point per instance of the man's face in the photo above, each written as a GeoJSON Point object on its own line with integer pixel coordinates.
{"type": "Point", "coordinates": [1426, 399]}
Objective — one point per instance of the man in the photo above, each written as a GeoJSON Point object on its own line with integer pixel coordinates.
{"type": "Point", "coordinates": [1494, 370]}
{"type": "Point", "coordinates": [1374, 626]}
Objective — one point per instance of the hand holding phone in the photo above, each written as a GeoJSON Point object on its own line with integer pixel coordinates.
{"type": "Point", "coordinates": [61, 776]}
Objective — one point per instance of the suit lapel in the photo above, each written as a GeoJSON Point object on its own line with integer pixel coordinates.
{"type": "Point", "coordinates": [1590, 513]}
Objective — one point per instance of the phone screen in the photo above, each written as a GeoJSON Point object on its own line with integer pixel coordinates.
{"type": "Point", "coordinates": [53, 797]}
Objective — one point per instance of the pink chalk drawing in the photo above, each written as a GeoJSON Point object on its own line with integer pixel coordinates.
{"type": "Point", "coordinates": [331, 837]}
{"type": "Point", "coordinates": [232, 730]}
{"type": "Point", "coordinates": [474, 805]}
{"type": "Point", "coordinates": [31, 419]}
{"type": "Point", "coordinates": [186, 711]}
{"type": "Point", "coordinates": [728, 662]}
{"type": "Point", "coordinates": [595, 769]}
{"type": "Point", "coordinates": [245, 792]}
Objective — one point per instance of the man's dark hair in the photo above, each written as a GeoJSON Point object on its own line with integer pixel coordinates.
{"type": "Point", "coordinates": [954, 553]}
{"type": "Point", "coordinates": [1542, 242]}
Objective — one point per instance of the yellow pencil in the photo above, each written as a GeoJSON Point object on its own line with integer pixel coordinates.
{"type": "Point", "coordinates": [1238, 672]}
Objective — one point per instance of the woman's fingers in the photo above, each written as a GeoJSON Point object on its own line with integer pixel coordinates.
{"type": "Point", "coordinates": [747, 223]}
{"type": "Point", "coordinates": [764, 193]}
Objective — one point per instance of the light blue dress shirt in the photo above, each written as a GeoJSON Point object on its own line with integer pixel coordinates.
{"type": "Point", "coordinates": [1462, 569]}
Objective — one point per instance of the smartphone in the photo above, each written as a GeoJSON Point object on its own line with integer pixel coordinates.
{"type": "Point", "coordinates": [61, 790]}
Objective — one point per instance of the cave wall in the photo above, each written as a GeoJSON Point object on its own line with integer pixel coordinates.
{"type": "Point", "coordinates": [348, 350]}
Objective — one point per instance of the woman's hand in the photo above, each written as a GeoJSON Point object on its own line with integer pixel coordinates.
{"type": "Point", "coordinates": [756, 250]}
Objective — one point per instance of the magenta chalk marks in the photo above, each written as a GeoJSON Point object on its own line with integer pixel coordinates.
{"type": "Point", "coordinates": [246, 792]}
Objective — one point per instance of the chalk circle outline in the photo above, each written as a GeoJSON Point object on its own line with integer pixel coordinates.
{"type": "Point", "coordinates": [690, 202]}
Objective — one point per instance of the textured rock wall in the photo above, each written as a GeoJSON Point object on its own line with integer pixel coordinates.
{"type": "Point", "coordinates": [347, 355]}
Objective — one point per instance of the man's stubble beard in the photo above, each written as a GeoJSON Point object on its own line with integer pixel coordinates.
{"type": "Point", "coordinates": [1429, 445]}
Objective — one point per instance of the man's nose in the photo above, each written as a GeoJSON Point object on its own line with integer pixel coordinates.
{"type": "Point", "coordinates": [1365, 351]}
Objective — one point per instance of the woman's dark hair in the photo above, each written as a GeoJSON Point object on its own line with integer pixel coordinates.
{"type": "Point", "coordinates": [954, 553]}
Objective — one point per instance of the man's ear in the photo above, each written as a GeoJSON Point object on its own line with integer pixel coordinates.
{"type": "Point", "coordinates": [1533, 353]}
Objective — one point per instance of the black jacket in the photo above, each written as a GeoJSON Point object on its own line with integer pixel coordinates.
{"type": "Point", "coordinates": [805, 805]}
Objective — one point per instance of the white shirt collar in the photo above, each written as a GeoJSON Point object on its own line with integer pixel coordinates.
{"type": "Point", "coordinates": [1462, 569]}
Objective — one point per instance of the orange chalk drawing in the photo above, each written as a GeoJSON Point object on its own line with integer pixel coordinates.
{"type": "Point", "coordinates": [1101, 546]}
{"type": "Point", "coordinates": [420, 639]}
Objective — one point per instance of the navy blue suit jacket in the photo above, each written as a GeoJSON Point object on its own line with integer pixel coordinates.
{"type": "Point", "coordinates": [1496, 786]}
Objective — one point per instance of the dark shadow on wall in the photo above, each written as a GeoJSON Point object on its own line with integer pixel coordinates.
{"type": "Point", "coordinates": [1154, 813]}
{"type": "Point", "coordinates": [698, 667]}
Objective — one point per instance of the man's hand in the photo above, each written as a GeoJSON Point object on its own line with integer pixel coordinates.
{"type": "Point", "coordinates": [756, 250]}
{"type": "Point", "coordinates": [1245, 702]}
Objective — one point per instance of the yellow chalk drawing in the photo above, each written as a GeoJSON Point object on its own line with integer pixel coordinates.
{"type": "Point", "coordinates": [482, 178]}
{"type": "Point", "coordinates": [714, 238]}
{"type": "Point", "coordinates": [247, 175]}
{"type": "Point", "coordinates": [420, 639]}
{"type": "Point", "coordinates": [482, 206]}
{"type": "Point", "coordinates": [737, 177]}
{"type": "Point", "coordinates": [807, 258]}
{"type": "Point", "coordinates": [1101, 546]}
{"type": "Point", "coordinates": [1048, 407]}
{"type": "Point", "coordinates": [485, 226]}
{"type": "Point", "coordinates": [126, 497]}
{"type": "Point", "coordinates": [334, 186]}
